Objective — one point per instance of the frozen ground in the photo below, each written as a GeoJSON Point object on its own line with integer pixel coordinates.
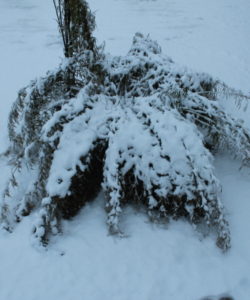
{"type": "Point", "coordinates": [152, 263]}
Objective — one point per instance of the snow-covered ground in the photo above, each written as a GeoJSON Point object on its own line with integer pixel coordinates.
{"type": "Point", "coordinates": [152, 262]}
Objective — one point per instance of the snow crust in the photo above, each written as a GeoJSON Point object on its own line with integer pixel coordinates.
{"type": "Point", "coordinates": [152, 262]}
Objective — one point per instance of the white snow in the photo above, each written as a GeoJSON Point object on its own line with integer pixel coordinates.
{"type": "Point", "coordinates": [153, 262]}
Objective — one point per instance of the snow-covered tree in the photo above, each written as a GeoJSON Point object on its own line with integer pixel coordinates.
{"type": "Point", "coordinates": [139, 127]}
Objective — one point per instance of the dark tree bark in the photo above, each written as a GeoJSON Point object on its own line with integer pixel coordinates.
{"type": "Point", "coordinates": [76, 24]}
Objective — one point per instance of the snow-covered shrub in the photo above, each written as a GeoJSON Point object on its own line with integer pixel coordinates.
{"type": "Point", "coordinates": [139, 127]}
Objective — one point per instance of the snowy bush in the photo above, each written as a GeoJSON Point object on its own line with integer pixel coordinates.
{"type": "Point", "coordinates": [139, 127]}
